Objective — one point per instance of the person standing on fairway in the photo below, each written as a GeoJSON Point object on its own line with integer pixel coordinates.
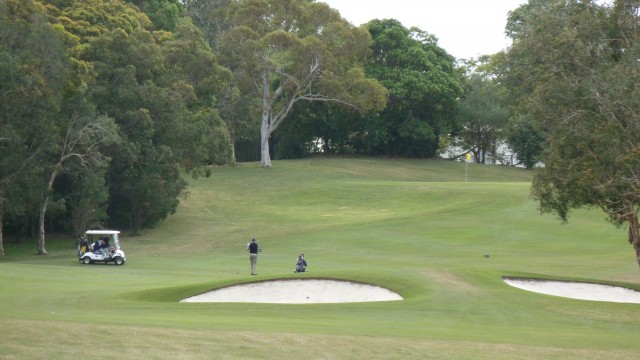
{"type": "Point", "coordinates": [253, 255]}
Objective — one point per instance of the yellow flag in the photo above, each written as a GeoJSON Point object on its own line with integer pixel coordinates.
{"type": "Point", "coordinates": [468, 156]}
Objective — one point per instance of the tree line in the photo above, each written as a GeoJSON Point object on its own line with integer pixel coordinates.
{"type": "Point", "coordinates": [105, 107]}
{"type": "Point", "coordinates": [102, 113]}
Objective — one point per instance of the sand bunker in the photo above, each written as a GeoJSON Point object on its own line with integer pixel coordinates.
{"type": "Point", "coordinates": [577, 290]}
{"type": "Point", "coordinates": [307, 291]}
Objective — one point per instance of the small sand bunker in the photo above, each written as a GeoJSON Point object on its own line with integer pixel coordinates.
{"type": "Point", "coordinates": [307, 291]}
{"type": "Point", "coordinates": [577, 290]}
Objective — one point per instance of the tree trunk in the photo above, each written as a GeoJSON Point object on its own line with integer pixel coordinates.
{"type": "Point", "coordinates": [634, 229]}
{"type": "Point", "coordinates": [43, 210]}
{"type": "Point", "coordinates": [265, 131]}
{"type": "Point", "coordinates": [232, 157]}
{"type": "Point", "coordinates": [41, 241]}
{"type": "Point", "coordinates": [271, 121]}
{"type": "Point", "coordinates": [1, 217]}
{"type": "Point", "coordinates": [265, 158]}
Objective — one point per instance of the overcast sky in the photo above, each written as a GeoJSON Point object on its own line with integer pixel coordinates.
{"type": "Point", "coordinates": [464, 28]}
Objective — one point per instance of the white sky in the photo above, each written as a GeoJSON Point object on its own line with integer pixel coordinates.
{"type": "Point", "coordinates": [464, 28]}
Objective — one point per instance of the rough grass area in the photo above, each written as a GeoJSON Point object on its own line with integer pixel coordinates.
{"type": "Point", "coordinates": [415, 227]}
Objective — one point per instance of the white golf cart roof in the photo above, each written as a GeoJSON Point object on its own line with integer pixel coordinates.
{"type": "Point", "coordinates": [102, 232]}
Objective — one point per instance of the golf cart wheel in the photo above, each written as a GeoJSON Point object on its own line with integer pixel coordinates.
{"type": "Point", "coordinates": [86, 260]}
{"type": "Point", "coordinates": [118, 260]}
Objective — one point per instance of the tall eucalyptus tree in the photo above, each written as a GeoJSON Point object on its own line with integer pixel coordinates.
{"type": "Point", "coordinates": [285, 51]}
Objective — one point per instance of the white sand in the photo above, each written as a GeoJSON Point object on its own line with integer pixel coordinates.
{"type": "Point", "coordinates": [315, 291]}
{"type": "Point", "coordinates": [577, 290]}
{"type": "Point", "coordinates": [308, 291]}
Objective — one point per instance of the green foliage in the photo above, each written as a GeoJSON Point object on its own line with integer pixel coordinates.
{"type": "Point", "coordinates": [406, 127]}
{"type": "Point", "coordinates": [165, 14]}
{"type": "Point", "coordinates": [76, 71]}
{"type": "Point", "coordinates": [319, 128]}
{"type": "Point", "coordinates": [144, 189]}
{"type": "Point", "coordinates": [236, 109]}
{"type": "Point", "coordinates": [573, 68]}
{"type": "Point", "coordinates": [88, 200]}
{"type": "Point", "coordinates": [423, 89]}
{"type": "Point", "coordinates": [290, 51]}
{"type": "Point", "coordinates": [525, 139]}
{"type": "Point", "coordinates": [159, 88]}
{"type": "Point", "coordinates": [93, 18]}
{"type": "Point", "coordinates": [482, 118]}
{"type": "Point", "coordinates": [211, 16]}
{"type": "Point", "coordinates": [36, 77]}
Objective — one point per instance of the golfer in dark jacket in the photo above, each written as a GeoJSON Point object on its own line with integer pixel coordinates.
{"type": "Point", "coordinates": [253, 255]}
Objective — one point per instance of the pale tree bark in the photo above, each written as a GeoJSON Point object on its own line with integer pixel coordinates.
{"type": "Point", "coordinates": [44, 201]}
{"type": "Point", "coordinates": [297, 90]}
{"type": "Point", "coordinates": [265, 157]}
{"type": "Point", "coordinates": [271, 121]}
{"type": "Point", "coordinates": [265, 133]}
{"type": "Point", "coordinates": [80, 142]}
{"type": "Point", "coordinates": [232, 156]}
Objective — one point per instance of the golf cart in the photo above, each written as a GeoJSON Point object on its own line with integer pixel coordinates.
{"type": "Point", "coordinates": [100, 246]}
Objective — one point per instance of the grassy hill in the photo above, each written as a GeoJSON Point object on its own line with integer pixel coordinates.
{"type": "Point", "coordinates": [413, 226]}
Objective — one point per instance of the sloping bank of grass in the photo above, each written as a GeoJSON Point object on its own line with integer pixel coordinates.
{"type": "Point", "coordinates": [415, 227]}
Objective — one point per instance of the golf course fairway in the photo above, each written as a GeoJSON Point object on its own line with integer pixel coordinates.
{"type": "Point", "coordinates": [440, 236]}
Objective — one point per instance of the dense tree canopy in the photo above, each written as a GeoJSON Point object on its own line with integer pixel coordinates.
{"type": "Point", "coordinates": [286, 51]}
{"type": "Point", "coordinates": [159, 87]}
{"type": "Point", "coordinates": [423, 84]}
{"type": "Point", "coordinates": [573, 68]}
{"type": "Point", "coordinates": [321, 128]}
{"type": "Point", "coordinates": [102, 111]}
{"type": "Point", "coordinates": [30, 88]}
{"type": "Point", "coordinates": [164, 14]}
{"type": "Point", "coordinates": [105, 105]}
{"type": "Point", "coordinates": [482, 118]}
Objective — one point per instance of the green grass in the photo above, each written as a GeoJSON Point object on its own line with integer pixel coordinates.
{"type": "Point", "coordinates": [416, 227]}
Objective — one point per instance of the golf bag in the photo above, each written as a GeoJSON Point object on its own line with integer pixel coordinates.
{"type": "Point", "coordinates": [301, 264]}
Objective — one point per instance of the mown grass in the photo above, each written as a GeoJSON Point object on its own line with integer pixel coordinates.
{"type": "Point", "coordinates": [416, 227]}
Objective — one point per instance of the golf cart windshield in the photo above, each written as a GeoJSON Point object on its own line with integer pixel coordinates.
{"type": "Point", "coordinates": [112, 234]}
